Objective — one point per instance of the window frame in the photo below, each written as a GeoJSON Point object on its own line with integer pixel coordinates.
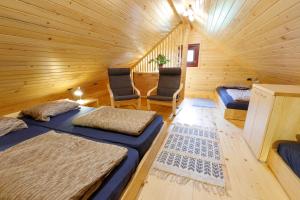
{"type": "Point", "coordinates": [195, 48]}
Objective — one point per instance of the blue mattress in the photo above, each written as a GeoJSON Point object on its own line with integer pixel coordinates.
{"type": "Point", "coordinates": [16, 137]}
{"type": "Point", "coordinates": [229, 102]}
{"type": "Point", "coordinates": [116, 182]}
{"type": "Point", "coordinates": [290, 153]}
{"type": "Point", "coordinates": [113, 185]}
{"type": "Point", "coordinates": [63, 123]}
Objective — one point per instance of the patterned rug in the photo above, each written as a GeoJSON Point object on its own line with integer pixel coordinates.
{"type": "Point", "coordinates": [204, 103]}
{"type": "Point", "coordinates": [192, 152]}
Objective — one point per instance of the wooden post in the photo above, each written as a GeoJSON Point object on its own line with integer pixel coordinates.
{"type": "Point", "coordinates": [185, 41]}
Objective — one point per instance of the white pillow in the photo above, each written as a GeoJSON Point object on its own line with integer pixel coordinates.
{"type": "Point", "coordinates": [9, 124]}
{"type": "Point", "coordinates": [44, 111]}
{"type": "Point", "coordinates": [239, 95]}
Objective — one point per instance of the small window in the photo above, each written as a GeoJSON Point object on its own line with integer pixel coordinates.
{"type": "Point", "coordinates": [192, 55]}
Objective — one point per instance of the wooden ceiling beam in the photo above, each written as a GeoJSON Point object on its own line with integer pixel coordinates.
{"type": "Point", "coordinates": [171, 3]}
{"type": "Point", "coordinates": [184, 20]}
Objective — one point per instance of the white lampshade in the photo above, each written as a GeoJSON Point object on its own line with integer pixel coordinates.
{"type": "Point", "coordinates": [78, 92]}
{"type": "Point", "coordinates": [190, 12]}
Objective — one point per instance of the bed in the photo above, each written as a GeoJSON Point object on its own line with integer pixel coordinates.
{"type": "Point", "coordinates": [234, 110]}
{"type": "Point", "coordinates": [63, 122]}
{"type": "Point", "coordinates": [284, 161]}
{"type": "Point", "coordinates": [16, 137]}
{"type": "Point", "coordinates": [113, 185]}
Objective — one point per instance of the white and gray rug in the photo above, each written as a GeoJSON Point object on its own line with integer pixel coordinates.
{"type": "Point", "coordinates": [203, 103]}
{"type": "Point", "coordinates": [192, 152]}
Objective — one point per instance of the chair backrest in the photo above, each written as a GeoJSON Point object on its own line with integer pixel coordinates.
{"type": "Point", "coordinates": [169, 81]}
{"type": "Point", "coordinates": [120, 81]}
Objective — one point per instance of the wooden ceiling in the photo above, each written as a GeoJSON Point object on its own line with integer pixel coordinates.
{"type": "Point", "coordinates": [48, 46]}
{"type": "Point", "coordinates": [109, 32]}
{"type": "Point", "coordinates": [262, 34]}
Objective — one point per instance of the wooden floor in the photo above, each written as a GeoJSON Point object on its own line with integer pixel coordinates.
{"type": "Point", "coordinates": [248, 178]}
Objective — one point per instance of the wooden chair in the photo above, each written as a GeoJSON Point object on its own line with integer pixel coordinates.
{"type": "Point", "coordinates": [121, 88]}
{"type": "Point", "coordinates": [167, 90]}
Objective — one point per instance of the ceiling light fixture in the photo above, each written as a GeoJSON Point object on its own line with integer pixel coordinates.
{"type": "Point", "coordinates": [191, 18]}
{"type": "Point", "coordinates": [189, 13]}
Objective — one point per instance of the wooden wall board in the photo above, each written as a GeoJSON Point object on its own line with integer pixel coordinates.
{"type": "Point", "coordinates": [49, 46]}
{"type": "Point", "coordinates": [145, 81]}
{"type": "Point", "coordinates": [215, 67]}
{"type": "Point", "coordinates": [261, 34]}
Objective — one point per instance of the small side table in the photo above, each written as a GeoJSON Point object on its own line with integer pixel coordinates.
{"type": "Point", "coordinates": [89, 102]}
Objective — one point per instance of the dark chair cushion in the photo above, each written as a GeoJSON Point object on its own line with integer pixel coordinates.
{"type": "Point", "coordinates": [169, 81]}
{"type": "Point", "coordinates": [121, 85]}
{"type": "Point", "coordinates": [120, 81]}
{"type": "Point", "coordinates": [126, 97]}
{"type": "Point", "coordinates": [118, 71]}
{"type": "Point", "coordinates": [174, 71]}
{"type": "Point", "coordinates": [160, 98]}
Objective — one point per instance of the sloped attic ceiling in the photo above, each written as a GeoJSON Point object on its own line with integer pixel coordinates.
{"type": "Point", "coordinates": [262, 34]}
{"type": "Point", "coordinates": [111, 32]}
{"type": "Point", "coordinates": [48, 46]}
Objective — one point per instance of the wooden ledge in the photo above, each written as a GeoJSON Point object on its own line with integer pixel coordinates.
{"type": "Point", "coordinates": [137, 181]}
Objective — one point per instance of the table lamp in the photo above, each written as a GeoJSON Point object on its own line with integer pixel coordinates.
{"type": "Point", "coordinates": [78, 93]}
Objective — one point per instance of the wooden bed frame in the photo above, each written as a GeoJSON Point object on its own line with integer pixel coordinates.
{"type": "Point", "coordinates": [230, 114]}
{"type": "Point", "coordinates": [286, 177]}
{"type": "Point", "coordinates": [138, 179]}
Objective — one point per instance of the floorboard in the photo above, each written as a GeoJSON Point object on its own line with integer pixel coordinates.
{"type": "Point", "coordinates": [247, 177]}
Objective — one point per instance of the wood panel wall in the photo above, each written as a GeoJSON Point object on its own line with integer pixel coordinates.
{"type": "Point", "coordinates": [267, 37]}
{"type": "Point", "coordinates": [145, 81]}
{"type": "Point", "coordinates": [49, 46]}
{"type": "Point", "coordinates": [215, 68]}
{"type": "Point", "coordinates": [262, 34]}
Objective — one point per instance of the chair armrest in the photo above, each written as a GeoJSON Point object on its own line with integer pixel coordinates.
{"type": "Point", "coordinates": [111, 94]}
{"type": "Point", "coordinates": [135, 88]}
{"type": "Point", "coordinates": [137, 91]}
{"type": "Point", "coordinates": [177, 91]}
{"type": "Point", "coordinates": [151, 90]}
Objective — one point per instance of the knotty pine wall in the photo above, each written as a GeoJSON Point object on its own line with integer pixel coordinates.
{"type": "Point", "coordinates": [49, 46]}
{"type": "Point", "coordinates": [145, 81]}
{"type": "Point", "coordinates": [263, 34]}
{"type": "Point", "coordinates": [26, 83]}
{"type": "Point", "coordinates": [266, 35]}
{"type": "Point", "coordinates": [215, 68]}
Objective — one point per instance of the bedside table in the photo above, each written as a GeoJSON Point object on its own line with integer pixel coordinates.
{"type": "Point", "coordinates": [89, 102]}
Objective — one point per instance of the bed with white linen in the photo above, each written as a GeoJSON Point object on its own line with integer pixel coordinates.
{"type": "Point", "coordinates": [233, 102]}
